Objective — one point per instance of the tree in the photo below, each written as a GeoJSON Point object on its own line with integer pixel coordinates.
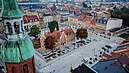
{"type": "Point", "coordinates": [34, 31]}
{"type": "Point", "coordinates": [36, 43]}
{"type": "Point", "coordinates": [115, 8]}
{"type": "Point", "coordinates": [52, 25]}
{"type": "Point", "coordinates": [54, 5]}
{"type": "Point", "coordinates": [123, 13]}
{"type": "Point", "coordinates": [50, 42]}
{"type": "Point", "coordinates": [82, 33]}
{"type": "Point", "coordinates": [84, 5]}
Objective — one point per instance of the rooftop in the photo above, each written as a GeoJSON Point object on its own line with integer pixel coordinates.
{"type": "Point", "coordinates": [82, 69]}
{"type": "Point", "coordinates": [111, 66]}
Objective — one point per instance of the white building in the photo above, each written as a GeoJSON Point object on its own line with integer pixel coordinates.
{"type": "Point", "coordinates": [108, 23]}
{"type": "Point", "coordinates": [114, 23]}
{"type": "Point", "coordinates": [63, 15]}
{"type": "Point", "coordinates": [47, 18]}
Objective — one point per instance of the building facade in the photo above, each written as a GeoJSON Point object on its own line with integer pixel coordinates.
{"type": "Point", "coordinates": [62, 37]}
{"type": "Point", "coordinates": [30, 20]}
{"type": "Point", "coordinates": [47, 18]}
{"type": "Point", "coordinates": [108, 23]}
{"type": "Point", "coordinates": [83, 19]}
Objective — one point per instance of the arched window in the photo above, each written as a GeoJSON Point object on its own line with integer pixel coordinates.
{"type": "Point", "coordinates": [25, 68]}
{"type": "Point", "coordinates": [22, 25]}
{"type": "Point", "coordinates": [9, 28]}
{"type": "Point", "coordinates": [16, 27]}
{"type": "Point", "coordinates": [14, 69]}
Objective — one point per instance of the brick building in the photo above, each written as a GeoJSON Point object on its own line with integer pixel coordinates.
{"type": "Point", "coordinates": [63, 37]}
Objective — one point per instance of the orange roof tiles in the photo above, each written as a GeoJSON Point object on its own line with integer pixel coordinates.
{"type": "Point", "coordinates": [57, 34]}
{"type": "Point", "coordinates": [29, 18]}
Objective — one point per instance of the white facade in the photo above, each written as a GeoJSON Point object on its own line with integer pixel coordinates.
{"type": "Point", "coordinates": [47, 19]}
{"type": "Point", "coordinates": [114, 23]}
{"type": "Point", "coordinates": [30, 24]}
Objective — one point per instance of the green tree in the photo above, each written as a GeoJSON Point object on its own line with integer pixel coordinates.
{"type": "Point", "coordinates": [115, 8]}
{"type": "Point", "coordinates": [54, 5]}
{"type": "Point", "coordinates": [34, 31]}
{"type": "Point", "coordinates": [52, 25]}
{"type": "Point", "coordinates": [82, 33]}
{"type": "Point", "coordinates": [123, 13]}
{"type": "Point", "coordinates": [50, 42]}
{"type": "Point", "coordinates": [84, 5]}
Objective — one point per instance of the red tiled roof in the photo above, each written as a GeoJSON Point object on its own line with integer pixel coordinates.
{"type": "Point", "coordinates": [28, 18]}
{"type": "Point", "coordinates": [117, 54]}
{"type": "Point", "coordinates": [85, 11]}
{"type": "Point", "coordinates": [55, 34]}
{"type": "Point", "coordinates": [81, 17]}
{"type": "Point", "coordinates": [86, 18]}
{"type": "Point", "coordinates": [53, 8]}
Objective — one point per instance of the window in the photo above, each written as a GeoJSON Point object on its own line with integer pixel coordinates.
{"type": "Point", "coordinates": [14, 69]}
{"type": "Point", "coordinates": [16, 27]}
{"type": "Point", "coordinates": [104, 22]}
{"type": "Point", "coordinates": [35, 19]}
{"type": "Point", "coordinates": [22, 25]}
{"type": "Point", "coordinates": [9, 28]}
{"type": "Point", "coordinates": [98, 21]}
{"type": "Point", "coordinates": [25, 68]}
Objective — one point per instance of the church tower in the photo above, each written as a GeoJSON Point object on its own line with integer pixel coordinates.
{"type": "Point", "coordinates": [17, 50]}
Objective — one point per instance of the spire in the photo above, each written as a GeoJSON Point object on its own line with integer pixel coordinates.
{"type": "Point", "coordinates": [10, 9]}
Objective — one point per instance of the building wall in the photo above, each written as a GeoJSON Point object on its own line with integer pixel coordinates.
{"type": "Point", "coordinates": [47, 19]}
{"type": "Point", "coordinates": [64, 38]}
{"type": "Point", "coordinates": [101, 25]}
{"type": "Point", "coordinates": [24, 67]}
{"type": "Point", "coordinates": [70, 38]}
{"type": "Point", "coordinates": [1, 27]}
{"type": "Point", "coordinates": [111, 24]}
{"type": "Point", "coordinates": [30, 24]}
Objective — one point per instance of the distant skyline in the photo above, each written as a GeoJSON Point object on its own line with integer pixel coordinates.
{"type": "Point", "coordinates": [66, 0]}
{"type": "Point", "coordinates": [46, 1]}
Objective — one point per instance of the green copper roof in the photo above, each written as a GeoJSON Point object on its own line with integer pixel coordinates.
{"type": "Point", "coordinates": [10, 9]}
{"type": "Point", "coordinates": [16, 52]}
